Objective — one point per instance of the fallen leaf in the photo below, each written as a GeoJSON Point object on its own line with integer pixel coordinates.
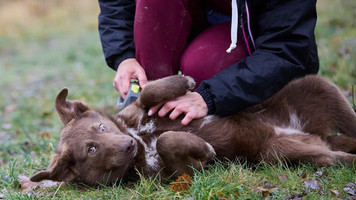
{"type": "Point", "coordinates": [269, 185]}
{"type": "Point", "coordinates": [334, 192]}
{"type": "Point", "coordinates": [296, 196]}
{"type": "Point", "coordinates": [264, 192]}
{"type": "Point", "coordinates": [283, 177]}
{"type": "Point", "coordinates": [46, 134]}
{"type": "Point", "coordinates": [335, 41]}
{"type": "Point", "coordinates": [183, 183]}
{"type": "Point", "coordinates": [325, 180]}
{"type": "Point", "coordinates": [350, 184]}
{"type": "Point", "coordinates": [236, 195]}
{"type": "Point", "coordinates": [10, 108]}
{"type": "Point", "coordinates": [318, 173]}
{"type": "Point", "coordinates": [2, 162]}
{"type": "Point", "coordinates": [27, 185]}
{"type": "Point", "coordinates": [350, 191]}
{"type": "Point", "coordinates": [6, 126]}
{"type": "Point", "coordinates": [303, 175]}
{"type": "Point", "coordinates": [312, 185]}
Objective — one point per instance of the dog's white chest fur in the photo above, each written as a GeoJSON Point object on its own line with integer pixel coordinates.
{"type": "Point", "coordinates": [151, 154]}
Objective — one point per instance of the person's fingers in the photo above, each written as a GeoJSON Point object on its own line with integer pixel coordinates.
{"type": "Point", "coordinates": [121, 84]}
{"type": "Point", "coordinates": [116, 84]}
{"type": "Point", "coordinates": [187, 119]}
{"type": "Point", "coordinates": [127, 70]}
{"type": "Point", "coordinates": [191, 105]}
{"type": "Point", "coordinates": [124, 87]}
{"type": "Point", "coordinates": [165, 109]}
{"type": "Point", "coordinates": [154, 109]}
{"type": "Point", "coordinates": [176, 112]}
{"type": "Point", "coordinates": [142, 78]}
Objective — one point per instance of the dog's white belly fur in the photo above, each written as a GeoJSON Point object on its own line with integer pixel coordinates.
{"type": "Point", "coordinates": [288, 131]}
{"type": "Point", "coordinates": [206, 120]}
{"type": "Point", "coordinates": [295, 126]}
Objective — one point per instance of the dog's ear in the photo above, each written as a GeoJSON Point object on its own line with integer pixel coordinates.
{"type": "Point", "coordinates": [58, 170]}
{"type": "Point", "coordinates": [67, 110]}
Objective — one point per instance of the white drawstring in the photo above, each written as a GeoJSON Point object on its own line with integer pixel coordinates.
{"type": "Point", "coordinates": [234, 23]}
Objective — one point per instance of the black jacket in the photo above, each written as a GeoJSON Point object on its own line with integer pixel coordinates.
{"type": "Point", "coordinates": [282, 48]}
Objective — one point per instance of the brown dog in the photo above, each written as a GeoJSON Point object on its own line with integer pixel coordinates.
{"type": "Point", "coordinates": [295, 124]}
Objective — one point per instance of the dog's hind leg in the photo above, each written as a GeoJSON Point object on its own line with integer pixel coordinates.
{"type": "Point", "coordinates": [333, 107]}
{"type": "Point", "coordinates": [320, 104]}
{"type": "Point", "coordinates": [183, 151]}
{"type": "Point", "coordinates": [164, 89]}
{"type": "Point", "coordinates": [304, 148]}
{"type": "Point", "coordinates": [342, 143]}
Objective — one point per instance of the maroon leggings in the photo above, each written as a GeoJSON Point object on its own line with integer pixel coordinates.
{"type": "Point", "coordinates": [172, 35]}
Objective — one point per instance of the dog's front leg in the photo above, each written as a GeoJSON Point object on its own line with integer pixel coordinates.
{"type": "Point", "coordinates": [164, 89]}
{"type": "Point", "coordinates": [182, 151]}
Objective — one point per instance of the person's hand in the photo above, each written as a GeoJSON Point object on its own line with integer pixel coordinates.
{"type": "Point", "coordinates": [191, 104]}
{"type": "Point", "coordinates": [127, 70]}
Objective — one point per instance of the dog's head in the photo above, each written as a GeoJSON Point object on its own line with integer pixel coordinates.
{"type": "Point", "coordinates": [92, 148]}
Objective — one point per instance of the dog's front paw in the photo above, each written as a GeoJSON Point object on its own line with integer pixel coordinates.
{"type": "Point", "coordinates": [191, 82]}
{"type": "Point", "coordinates": [165, 89]}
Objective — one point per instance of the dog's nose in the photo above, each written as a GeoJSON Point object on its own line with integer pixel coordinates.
{"type": "Point", "coordinates": [129, 145]}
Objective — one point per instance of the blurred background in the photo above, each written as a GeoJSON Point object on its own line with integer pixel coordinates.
{"type": "Point", "coordinates": [46, 45]}
{"type": "Point", "coordinates": [44, 42]}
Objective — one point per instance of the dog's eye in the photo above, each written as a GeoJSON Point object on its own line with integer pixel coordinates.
{"type": "Point", "coordinates": [102, 127]}
{"type": "Point", "coordinates": [92, 149]}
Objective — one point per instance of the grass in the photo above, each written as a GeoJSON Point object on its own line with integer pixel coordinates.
{"type": "Point", "coordinates": [335, 33]}
{"type": "Point", "coordinates": [48, 45]}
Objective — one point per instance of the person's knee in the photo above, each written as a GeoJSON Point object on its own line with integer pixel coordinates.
{"type": "Point", "coordinates": [206, 54]}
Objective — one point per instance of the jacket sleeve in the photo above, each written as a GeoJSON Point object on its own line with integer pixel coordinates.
{"type": "Point", "coordinates": [116, 20]}
{"type": "Point", "coordinates": [285, 49]}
